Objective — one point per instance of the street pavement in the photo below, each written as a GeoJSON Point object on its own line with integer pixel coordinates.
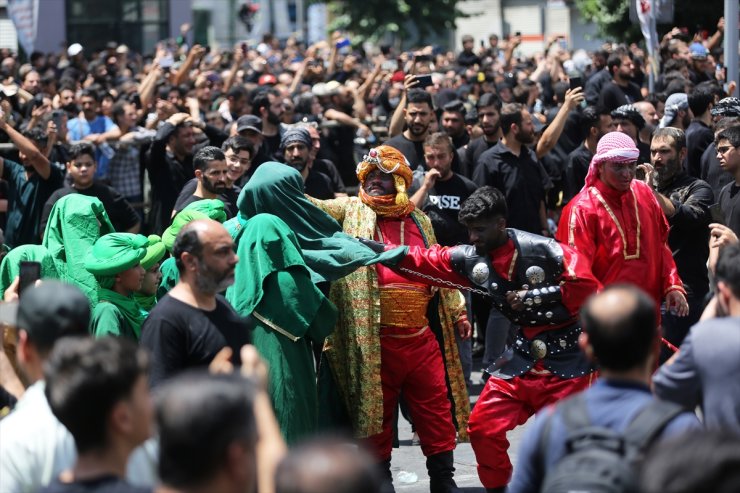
{"type": "Point", "coordinates": [409, 459]}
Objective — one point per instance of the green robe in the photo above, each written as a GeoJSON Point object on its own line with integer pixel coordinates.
{"type": "Point", "coordinates": [170, 277]}
{"type": "Point", "coordinates": [10, 266]}
{"type": "Point", "coordinates": [75, 223]}
{"type": "Point", "coordinates": [273, 286]}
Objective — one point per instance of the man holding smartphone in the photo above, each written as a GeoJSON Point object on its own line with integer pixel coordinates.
{"type": "Point", "coordinates": [418, 115]}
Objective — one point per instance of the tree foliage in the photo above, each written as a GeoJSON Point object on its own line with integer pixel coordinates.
{"type": "Point", "coordinates": [374, 19]}
{"type": "Point", "coordinates": [613, 22]}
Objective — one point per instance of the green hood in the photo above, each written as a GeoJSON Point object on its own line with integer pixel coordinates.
{"type": "Point", "coordinates": [330, 254]}
{"type": "Point", "coordinates": [10, 267]}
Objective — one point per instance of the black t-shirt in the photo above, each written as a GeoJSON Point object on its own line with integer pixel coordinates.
{"type": "Point", "coordinates": [522, 179]}
{"type": "Point", "coordinates": [576, 170]}
{"type": "Point", "coordinates": [469, 155]}
{"type": "Point", "coordinates": [229, 198]}
{"type": "Point", "coordinates": [120, 212]}
{"type": "Point", "coordinates": [414, 151]}
{"type": "Point", "coordinates": [104, 484]}
{"type": "Point", "coordinates": [271, 144]}
{"type": "Point", "coordinates": [329, 169]}
{"type": "Point", "coordinates": [318, 185]}
{"type": "Point", "coordinates": [613, 95]}
{"type": "Point", "coordinates": [442, 205]}
{"type": "Point", "coordinates": [729, 201]}
{"type": "Point", "coordinates": [698, 138]}
{"type": "Point", "coordinates": [180, 336]}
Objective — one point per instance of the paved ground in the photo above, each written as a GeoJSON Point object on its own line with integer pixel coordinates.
{"type": "Point", "coordinates": [409, 458]}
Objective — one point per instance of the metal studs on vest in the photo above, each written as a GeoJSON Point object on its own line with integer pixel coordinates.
{"type": "Point", "coordinates": [494, 286]}
{"type": "Point", "coordinates": [480, 272]}
{"type": "Point", "coordinates": [538, 349]}
{"type": "Point", "coordinates": [535, 275]}
{"type": "Point", "coordinates": [548, 314]}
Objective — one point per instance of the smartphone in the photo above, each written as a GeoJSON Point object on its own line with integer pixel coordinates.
{"type": "Point", "coordinates": [342, 43]}
{"type": "Point", "coordinates": [717, 215]}
{"type": "Point", "coordinates": [166, 62]}
{"type": "Point", "coordinates": [245, 48]}
{"type": "Point", "coordinates": [29, 273]}
{"type": "Point", "coordinates": [575, 82]}
{"type": "Point", "coordinates": [518, 33]}
{"type": "Point", "coordinates": [423, 58]}
{"type": "Point", "coordinates": [563, 43]}
{"type": "Point", "coordinates": [56, 117]}
{"type": "Point", "coordinates": [424, 81]}
{"type": "Point", "coordinates": [482, 44]}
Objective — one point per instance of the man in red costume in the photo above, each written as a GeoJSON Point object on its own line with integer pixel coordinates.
{"type": "Point", "coordinates": [539, 285]}
{"type": "Point", "coordinates": [616, 223]}
{"type": "Point", "coordinates": [383, 345]}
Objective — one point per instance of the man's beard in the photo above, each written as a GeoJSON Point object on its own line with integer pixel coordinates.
{"type": "Point", "coordinates": [300, 165]}
{"type": "Point", "coordinates": [210, 281]}
{"type": "Point", "coordinates": [273, 118]}
{"type": "Point", "coordinates": [213, 187]}
{"type": "Point", "coordinates": [491, 131]}
{"type": "Point", "coordinates": [667, 173]}
{"type": "Point", "coordinates": [414, 131]}
{"type": "Point", "coordinates": [524, 137]}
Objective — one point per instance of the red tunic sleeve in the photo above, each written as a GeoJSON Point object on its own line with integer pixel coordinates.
{"type": "Point", "coordinates": [435, 262]}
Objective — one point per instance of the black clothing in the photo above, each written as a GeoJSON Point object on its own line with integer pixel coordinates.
{"type": "Point", "coordinates": [271, 145]}
{"type": "Point", "coordinates": [594, 84]}
{"type": "Point", "coordinates": [340, 148]}
{"type": "Point", "coordinates": [469, 155]}
{"type": "Point", "coordinates": [712, 172]}
{"type": "Point", "coordinates": [460, 140]}
{"type": "Point", "coordinates": [698, 138]}
{"type": "Point", "coordinates": [318, 185]}
{"type": "Point", "coordinates": [613, 95]}
{"type": "Point", "coordinates": [180, 336]}
{"type": "Point", "coordinates": [644, 149]}
{"type": "Point", "coordinates": [467, 59]}
{"type": "Point", "coordinates": [729, 201]}
{"type": "Point", "coordinates": [229, 198]}
{"type": "Point", "coordinates": [103, 484]}
{"type": "Point", "coordinates": [442, 205]}
{"type": "Point", "coordinates": [576, 169]}
{"type": "Point", "coordinates": [522, 180]}
{"type": "Point", "coordinates": [27, 195]}
{"type": "Point", "coordinates": [688, 237]}
{"type": "Point", "coordinates": [329, 169]}
{"type": "Point", "coordinates": [120, 212]}
{"type": "Point", "coordinates": [414, 151]}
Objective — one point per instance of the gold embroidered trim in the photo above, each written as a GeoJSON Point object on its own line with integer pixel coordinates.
{"type": "Point", "coordinates": [401, 234]}
{"type": "Point", "coordinates": [274, 327]}
{"type": "Point", "coordinates": [513, 263]}
{"type": "Point", "coordinates": [571, 229]}
{"type": "Point", "coordinates": [405, 336]}
{"type": "Point", "coordinates": [609, 211]}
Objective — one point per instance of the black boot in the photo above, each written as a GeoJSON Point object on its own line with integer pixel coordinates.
{"type": "Point", "coordinates": [386, 477]}
{"type": "Point", "coordinates": [441, 473]}
{"type": "Point", "coordinates": [496, 490]}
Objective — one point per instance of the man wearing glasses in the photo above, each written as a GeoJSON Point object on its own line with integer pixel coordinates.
{"type": "Point", "coordinates": [728, 153]}
{"type": "Point", "coordinates": [617, 223]}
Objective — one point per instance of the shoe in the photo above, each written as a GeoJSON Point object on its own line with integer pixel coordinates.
{"type": "Point", "coordinates": [441, 473]}
{"type": "Point", "coordinates": [478, 349]}
{"type": "Point", "coordinates": [386, 477]}
{"type": "Point", "coordinates": [415, 440]}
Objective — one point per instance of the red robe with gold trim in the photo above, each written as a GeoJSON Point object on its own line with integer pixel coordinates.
{"type": "Point", "coordinates": [624, 235]}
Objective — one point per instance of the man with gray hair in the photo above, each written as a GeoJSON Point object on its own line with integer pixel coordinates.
{"type": "Point", "coordinates": [685, 201]}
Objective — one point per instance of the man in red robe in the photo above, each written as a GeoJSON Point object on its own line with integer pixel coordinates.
{"type": "Point", "coordinates": [616, 223]}
{"type": "Point", "coordinates": [539, 285]}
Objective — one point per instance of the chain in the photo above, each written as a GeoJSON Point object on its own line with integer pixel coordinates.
{"type": "Point", "coordinates": [445, 282]}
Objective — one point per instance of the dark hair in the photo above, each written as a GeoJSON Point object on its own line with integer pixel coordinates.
{"type": "Point", "coordinates": [732, 134]}
{"type": "Point", "coordinates": [455, 106]}
{"type": "Point", "coordinates": [206, 155]}
{"type": "Point", "coordinates": [199, 417]}
{"type": "Point", "coordinates": [81, 148]}
{"type": "Point", "coordinates": [676, 136]}
{"type": "Point", "coordinates": [86, 378]}
{"type": "Point", "coordinates": [520, 93]}
{"type": "Point", "coordinates": [674, 64]}
{"type": "Point", "coordinates": [118, 110]}
{"type": "Point", "coordinates": [327, 465]}
{"type": "Point", "coordinates": [260, 99]}
{"type": "Point", "coordinates": [236, 92]}
{"type": "Point", "coordinates": [560, 88]}
{"type": "Point", "coordinates": [238, 143]}
{"type": "Point", "coordinates": [37, 135]}
{"type": "Point", "coordinates": [511, 114]}
{"type": "Point", "coordinates": [726, 122]}
{"type": "Point", "coordinates": [614, 60]}
{"type": "Point", "coordinates": [489, 99]}
{"type": "Point", "coordinates": [419, 96]}
{"type": "Point", "coordinates": [186, 241]}
{"type": "Point", "coordinates": [486, 202]}
{"type": "Point", "coordinates": [90, 93]}
{"type": "Point", "coordinates": [671, 466]}
{"type": "Point", "coordinates": [303, 103]}
{"type": "Point", "coordinates": [700, 99]}
{"type": "Point", "coordinates": [625, 340]}
{"type": "Point", "coordinates": [728, 268]}
{"type": "Point", "coordinates": [439, 139]}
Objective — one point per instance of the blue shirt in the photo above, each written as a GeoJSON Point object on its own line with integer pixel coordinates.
{"type": "Point", "coordinates": [79, 128]}
{"type": "Point", "coordinates": [611, 404]}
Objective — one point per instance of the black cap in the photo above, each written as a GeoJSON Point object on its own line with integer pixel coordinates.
{"type": "Point", "coordinates": [249, 122]}
{"type": "Point", "coordinates": [49, 311]}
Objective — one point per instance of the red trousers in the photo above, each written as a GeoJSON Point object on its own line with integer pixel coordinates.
{"type": "Point", "coordinates": [505, 404]}
{"type": "Point", "coordinates": [413, 365]}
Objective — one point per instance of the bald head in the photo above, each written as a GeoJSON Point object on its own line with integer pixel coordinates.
{"type": "Point", "coordinates": [621, 324]}
{"type": "Point", "coordinates": [204, 254]}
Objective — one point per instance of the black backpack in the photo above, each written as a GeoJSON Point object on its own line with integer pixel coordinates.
{"type": "Point", "coordinates": [600, 460]}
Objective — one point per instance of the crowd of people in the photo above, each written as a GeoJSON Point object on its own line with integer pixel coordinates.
{"type": "Point", "coordinates": [214, 260]}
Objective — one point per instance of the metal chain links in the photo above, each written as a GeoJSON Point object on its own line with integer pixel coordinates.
{"type": "Point", "coordinates": [446, 282]}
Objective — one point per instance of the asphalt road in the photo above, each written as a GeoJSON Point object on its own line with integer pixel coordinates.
{"type": "Point", "coordinates": [409, 459]}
